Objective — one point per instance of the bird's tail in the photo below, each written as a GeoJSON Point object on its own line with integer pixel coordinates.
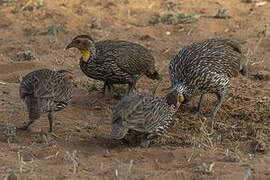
{"type": "Point", "coordinates": [118, 132]}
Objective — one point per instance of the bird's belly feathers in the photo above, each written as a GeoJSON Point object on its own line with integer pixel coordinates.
{"type": "Point", "coordinates": [106, 72]}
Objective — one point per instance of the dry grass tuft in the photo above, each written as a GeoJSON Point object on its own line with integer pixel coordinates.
{"type": "Point", "coordinates": [72, 157]}
{"type": "Point", "coordinates": [173, 15]}
{"type": "Point", "coordinates": [233, 156]}
{"type": "Point", "coordinates": [222, 13]}
{"type": "Point", "coordinates": [205, 169]}
{"type": "Point", "coordinates": [54, 29]}
{"type": "Point", "coordinates": [259, 144]}
{"type": "Point", "coordinates": [26, 55]}
{"type": "Point", "coordinates": [95, 23]}
{"type": "Point", "coordinates": [10, 132]}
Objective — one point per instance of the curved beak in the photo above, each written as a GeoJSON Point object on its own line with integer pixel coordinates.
{"type": "Point", "coordinates": [177, 106]}
{"type": "Point", "coordinates": [69, 46]}
{"type": "Point", "coordinates": [179, 102]}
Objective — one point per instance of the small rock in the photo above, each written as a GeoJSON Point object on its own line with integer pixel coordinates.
{"type": "Point", "coordinates": [168, 33]}
{"type": "Point", "coordinates": [226, 30]}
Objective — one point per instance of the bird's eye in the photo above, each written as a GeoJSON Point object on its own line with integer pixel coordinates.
{"type": "Point", "coordinates": [78, 41]}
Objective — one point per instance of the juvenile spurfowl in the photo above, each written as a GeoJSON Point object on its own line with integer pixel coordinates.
{"type": "Point", "coordinates": [114, 61]}
{"type": "Point", "coordinates": [44, 91]}
{"type": "Point", "coordinates": [143, 115]}
{"type": "Point", "coordinates": [206, 67]}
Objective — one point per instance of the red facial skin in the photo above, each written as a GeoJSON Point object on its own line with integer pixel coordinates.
{"type": "Point", "coordinates": [76, 42]}
{"type": "Point", "coordinates": [70, 78]}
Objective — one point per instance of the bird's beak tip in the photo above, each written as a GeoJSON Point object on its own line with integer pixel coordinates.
{"type": "Point", "coordinates": [68, 46]}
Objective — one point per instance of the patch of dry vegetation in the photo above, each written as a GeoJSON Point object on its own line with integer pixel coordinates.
{"type": "Point", "coordinates": [173, 15]}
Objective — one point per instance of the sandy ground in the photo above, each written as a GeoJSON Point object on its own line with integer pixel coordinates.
{"type": "Point", "coordinates": [235, 145]}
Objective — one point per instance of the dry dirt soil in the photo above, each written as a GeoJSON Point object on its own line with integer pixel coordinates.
{"type": "Point", "coordinates": [235, 145]}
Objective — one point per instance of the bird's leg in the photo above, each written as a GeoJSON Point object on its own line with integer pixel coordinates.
{"type": "Point", "coordinates": [131, 86]}
{"type": "Point", "coordinates": [107, 93]}
{"type": "Point", "coordinates": [25, 125]}
{"type": "Point", "coordinates": [199, 107]}
{"type": "Point", "coordinates": [110, 93]}
{"type": "Point", "coordinates": [156, 87]}
{"type": "Point", "coordinates": [220, 99]}
{"type": "Point", "coordinates": [51, 118]}
{"type": "Point", "coordinates": [104, 87]}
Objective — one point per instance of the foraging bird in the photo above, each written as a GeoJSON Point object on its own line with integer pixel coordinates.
{"type": "Point", "coordinates": [206, 67]}
{"type": "Point", "coordinates": [114, 61]}
{"type": "Point", "coordinates": [44, 91]}
{"type": "Point", "coordinates": [144, 115]}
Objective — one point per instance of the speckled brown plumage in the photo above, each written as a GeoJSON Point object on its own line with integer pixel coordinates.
{"type": "Point", "coordinates": [44, 91]}
{"type": "Point", "coordinates": [141, 114]}
{"type": "Point", "coordinates": [206, 67]}
{"type": "Point", "coordinates": [115, 61]}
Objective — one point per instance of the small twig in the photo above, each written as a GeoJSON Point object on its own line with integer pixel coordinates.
{"type": "Point", "coordinates": [190, 157]}
{"type": "Point", "coordinates": [260, 3]}
{"type": "Point", "coordinates": [248, 172]}
{"type": "Point", "coordinates": [256, 63]}
{"type": "Point", "coordinates": [21, 162]}
{"type": "Point", "coordinates": [45, 139]}
{"type": "Point", "coordinates": [129, 170]}
{"type": "Point", "coordinates": [2, 83]}
{"type": "Point", "coordinates": [26, 4]}
{"type": "Point", "coordinates": [166, 50]}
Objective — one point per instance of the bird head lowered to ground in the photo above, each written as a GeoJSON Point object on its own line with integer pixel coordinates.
{"type": "Point", "coordinates": [85, 44]}
{"type": "Point", "coordinates": [175, 98]}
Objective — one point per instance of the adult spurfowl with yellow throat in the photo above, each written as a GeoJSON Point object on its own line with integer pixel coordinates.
{"type": "Point", "coordinates": [206, 67]}
{"type": "Point", "coordinates": [114, 61]}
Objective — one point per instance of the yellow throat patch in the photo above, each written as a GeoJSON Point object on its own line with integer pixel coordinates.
{"type": "Point", "coordinates": [86, 54]}
{"type": "Point", "coordinates": [182, 97]}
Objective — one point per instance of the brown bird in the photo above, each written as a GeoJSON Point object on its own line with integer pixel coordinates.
{"type": "Point", "coordinates": [44, 91]}
{"type": "Point", "coordinates": [206, 67]}
{"type": "Point", "coordinates": [143, 115]}
{"type": "Point", "coordinates": [114, 61]}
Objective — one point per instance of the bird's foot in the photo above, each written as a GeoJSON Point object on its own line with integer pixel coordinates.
{"type": "Point", "coordinates": [145, 143]}
{"type": "Point", "coordinates": [125, 141]}
{"type": "Point", "coordinates": [52, 134]}
{"type": "Point", "coordinates": [25, 126]}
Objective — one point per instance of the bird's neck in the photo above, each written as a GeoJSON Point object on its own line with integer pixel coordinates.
{"type": "Point", "coordinates": [180, 88]}
{"type": "Point", "coordinates": [88, 54]}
